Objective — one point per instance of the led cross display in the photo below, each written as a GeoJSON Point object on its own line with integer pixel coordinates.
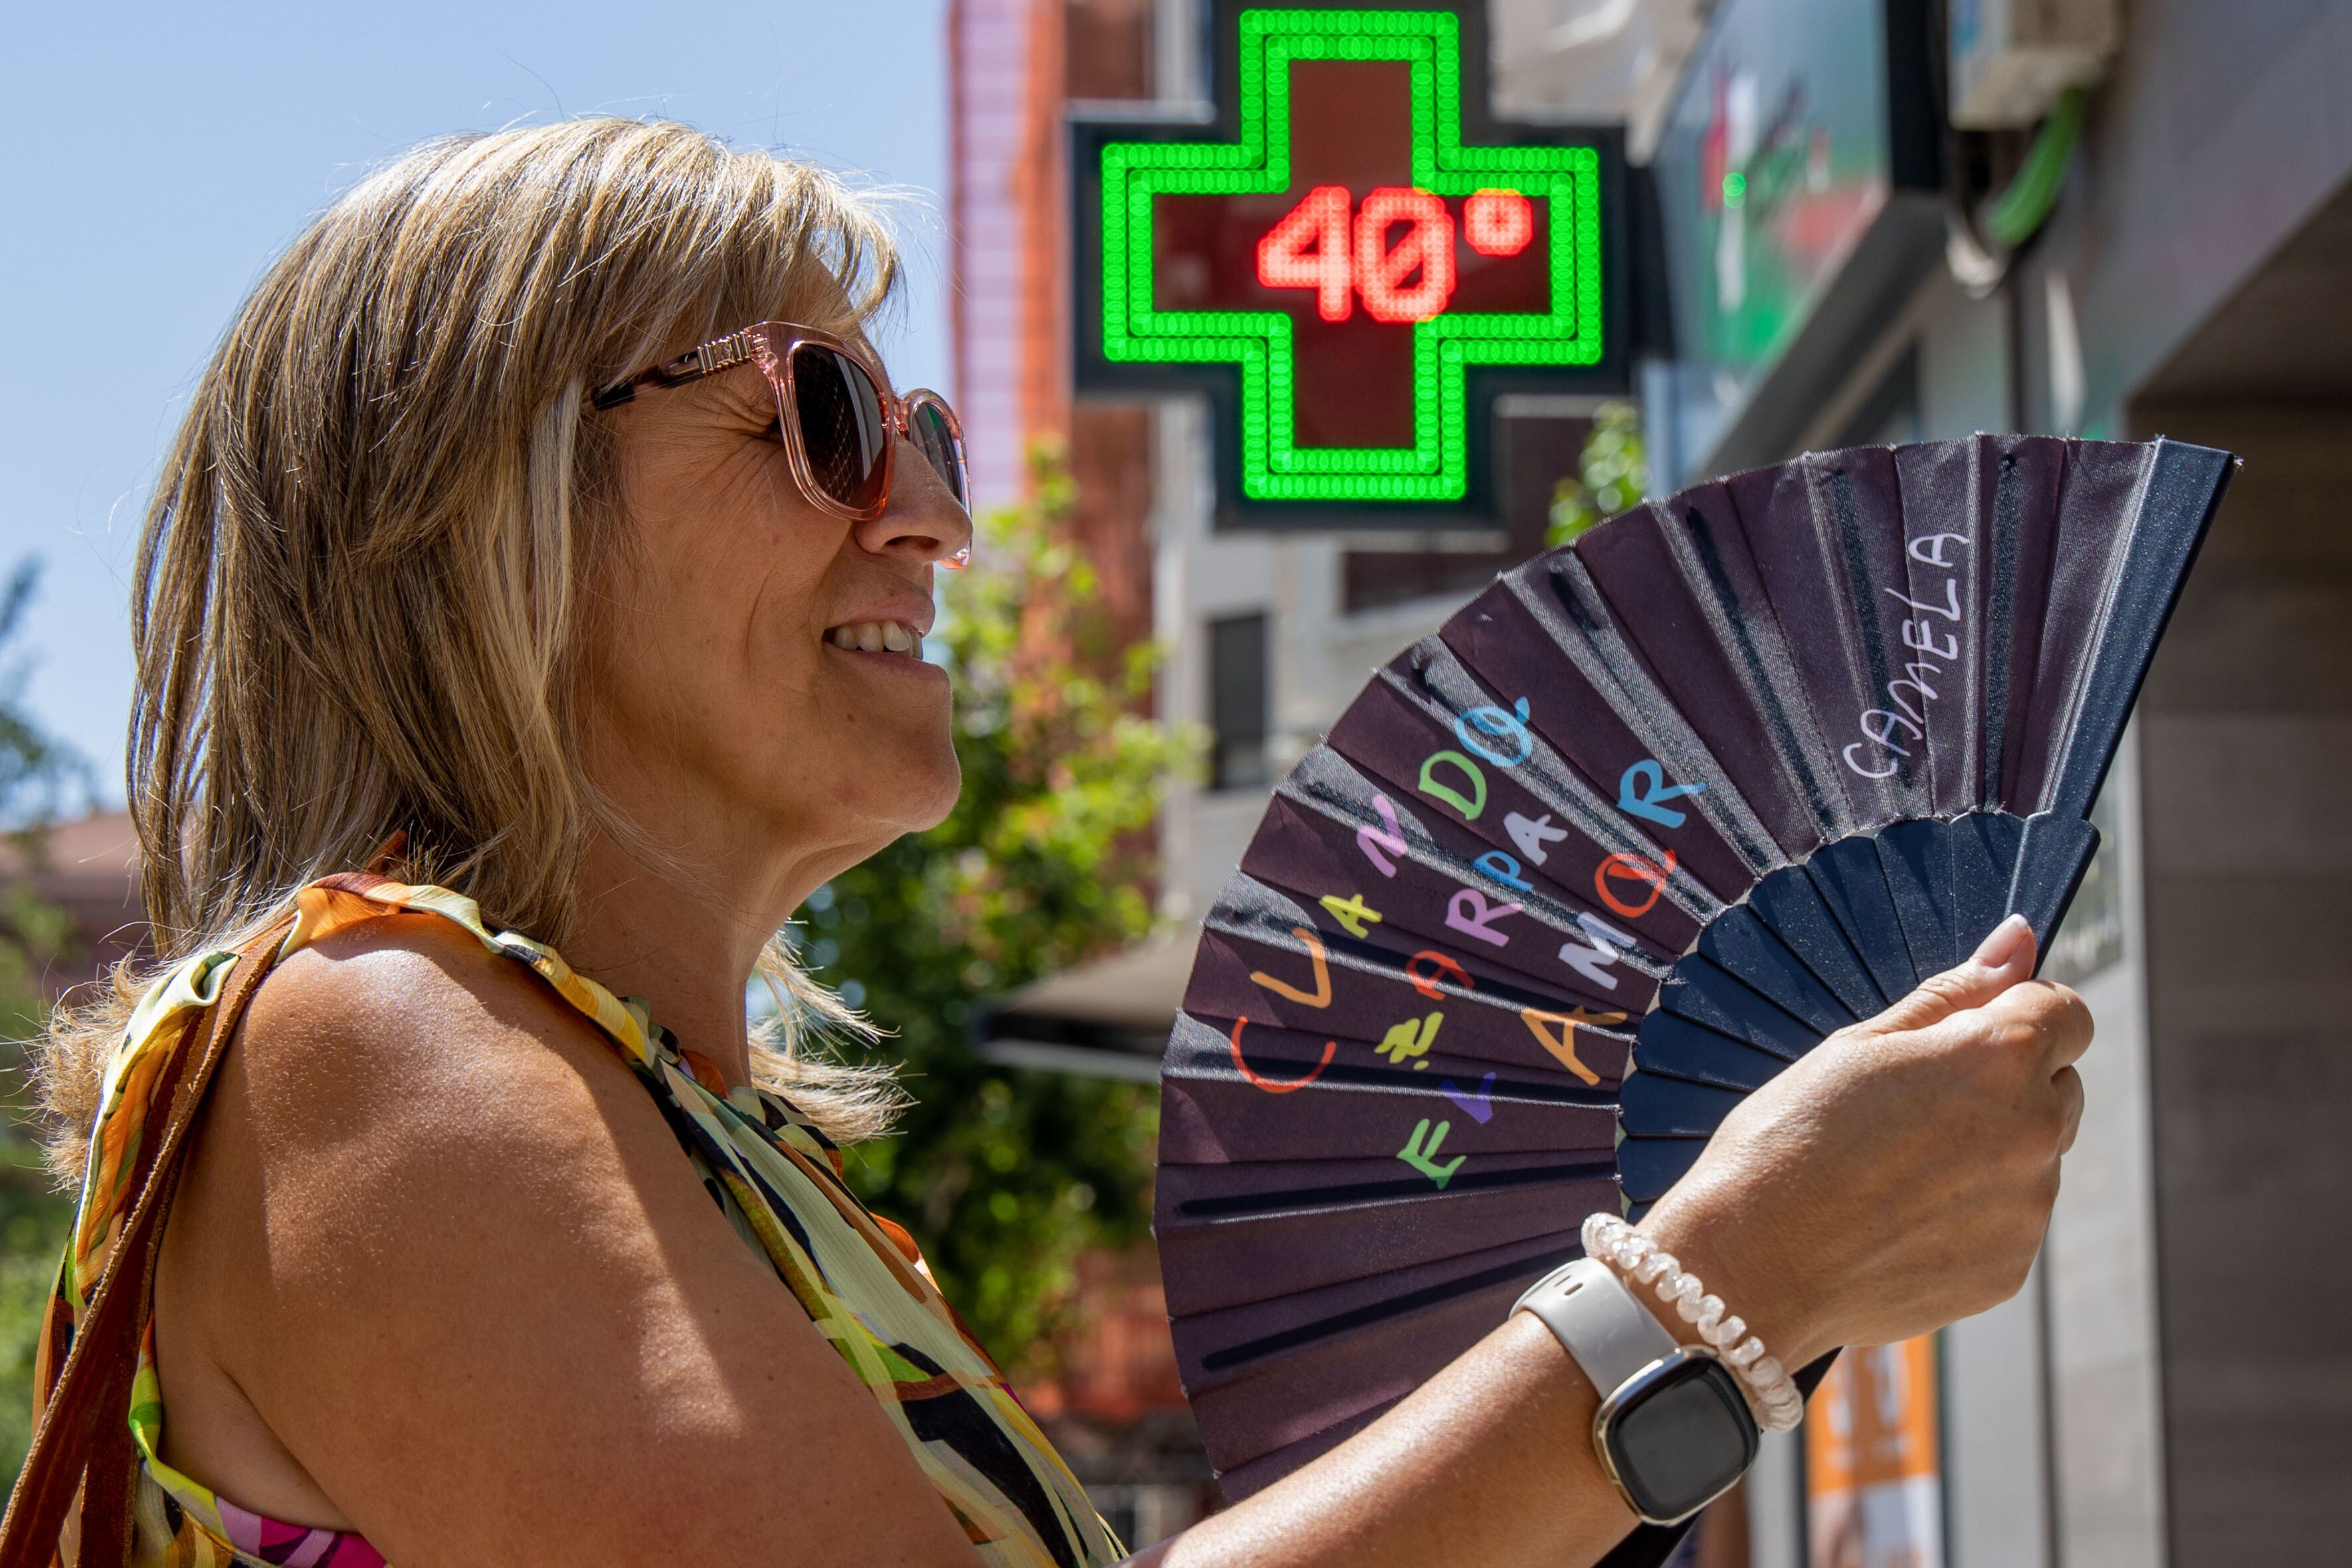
{"type": "Point", "coordinates": [1350, 256]}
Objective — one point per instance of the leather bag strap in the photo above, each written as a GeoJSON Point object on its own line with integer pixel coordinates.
{"type": "Point", "coordinates": [82, 1443]}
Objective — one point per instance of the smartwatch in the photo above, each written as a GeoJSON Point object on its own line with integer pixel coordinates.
{"type": "Point", "coordinates": [1673, 1431]}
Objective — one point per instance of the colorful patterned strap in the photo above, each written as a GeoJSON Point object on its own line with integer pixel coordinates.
{"type": "Point", "coordinates": [772, 1172]}
{"type": "Point", "coordinates": [79, 1480]}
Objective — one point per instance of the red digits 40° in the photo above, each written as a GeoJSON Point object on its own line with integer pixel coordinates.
{"type": "Point", "coordinates": [1315, 246]}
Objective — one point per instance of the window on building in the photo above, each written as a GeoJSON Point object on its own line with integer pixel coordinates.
{"type": "Point", "coordinates": [1238, 703]}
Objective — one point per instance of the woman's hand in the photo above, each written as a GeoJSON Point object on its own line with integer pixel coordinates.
{"type": "Point", "coordinates": [1901, 1175]}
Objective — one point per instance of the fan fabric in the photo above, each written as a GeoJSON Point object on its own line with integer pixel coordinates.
{"type": "Point", "coordinates": [1641, 825]}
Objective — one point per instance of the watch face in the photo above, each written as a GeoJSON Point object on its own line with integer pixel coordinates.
{"type": "Point", "coordinates": [1677, 1434]}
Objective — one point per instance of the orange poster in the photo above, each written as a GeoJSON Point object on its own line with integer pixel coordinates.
{"type": "Point", "coordinates": [1874, 1495]}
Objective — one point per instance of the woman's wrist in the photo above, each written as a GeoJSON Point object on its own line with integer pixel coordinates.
{"type": "Point", "coordinates": [1642, 1265]}
{"type": "Point", "coordinates": [1739, 1259]}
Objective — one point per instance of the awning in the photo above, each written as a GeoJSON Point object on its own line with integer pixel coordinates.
{"type": "Point", "coordinates": [1108, 1018]}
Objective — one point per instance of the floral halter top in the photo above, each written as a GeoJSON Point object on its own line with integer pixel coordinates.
{"type": "Point", "coordinates": [775, 1176]}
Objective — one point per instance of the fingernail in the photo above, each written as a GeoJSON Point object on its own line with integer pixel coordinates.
{"type": "Point", "coordinates": [2001, 944]}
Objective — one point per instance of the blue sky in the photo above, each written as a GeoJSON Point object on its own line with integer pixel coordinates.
{"type": "Point", "coordinates": [163, 154]}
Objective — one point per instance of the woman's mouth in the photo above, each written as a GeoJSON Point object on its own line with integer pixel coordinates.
{"type": "Point", "coordinates": [876, 637]}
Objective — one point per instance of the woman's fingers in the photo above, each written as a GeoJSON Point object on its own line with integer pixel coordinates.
{"type": "Point", "coordinates": [2051, 1015]}
{"type": "Point", "coordinates": [1837, 1199]}
{"type": "Point", "coordinates": [2000, 962]}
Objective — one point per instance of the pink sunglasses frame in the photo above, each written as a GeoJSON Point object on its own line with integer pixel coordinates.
{"type": "Point", "coordinates": [771, 345]}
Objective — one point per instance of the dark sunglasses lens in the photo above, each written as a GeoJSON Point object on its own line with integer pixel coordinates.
{"type": "Point", "coordinates": [842, 432]}
{"type": "Point", "coordinates": [936, 436]}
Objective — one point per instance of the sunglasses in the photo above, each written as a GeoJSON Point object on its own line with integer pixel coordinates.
{"type": "Point", "coordinates": [836, 419]}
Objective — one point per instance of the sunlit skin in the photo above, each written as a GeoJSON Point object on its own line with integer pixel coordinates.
{"type": "Point", "coordinates": [438, 1272]}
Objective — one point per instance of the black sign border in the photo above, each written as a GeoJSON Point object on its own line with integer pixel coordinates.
{"type": "Point", "coordinates": [1090, 131]}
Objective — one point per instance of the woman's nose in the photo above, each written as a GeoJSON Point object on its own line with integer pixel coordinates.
{"type": "Point", "coordinates": [924, 519]}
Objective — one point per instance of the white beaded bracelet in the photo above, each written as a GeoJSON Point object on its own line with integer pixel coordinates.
{"type": "Point", "coordinates": [1779, 1407]}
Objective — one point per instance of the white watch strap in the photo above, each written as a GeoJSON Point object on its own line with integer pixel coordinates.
{"type": "Point", "coordinates": [1610, 1334]}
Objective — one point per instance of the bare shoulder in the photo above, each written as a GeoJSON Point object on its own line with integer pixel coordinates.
{"type": "Point", "coordinates": [404, 1122]}
{"type": "Point", "coordinates": [380, 1018]}
{"type": "Point", "coordinates": [398, 1072]}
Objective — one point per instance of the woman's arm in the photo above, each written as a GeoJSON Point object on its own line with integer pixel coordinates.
{"type": "Point", "coordinates": [440, 1272]}
{"type": "Point", "coordinates": [1897, 1178]}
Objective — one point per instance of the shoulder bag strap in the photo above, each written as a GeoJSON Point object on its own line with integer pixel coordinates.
{"type": "Point", "coordinates": [83, 1440]}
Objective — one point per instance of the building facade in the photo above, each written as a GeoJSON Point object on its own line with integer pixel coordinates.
{"type": "Point", "coordinates": [2145, 1401]}
{"type": "Point", "coordinates": [2162, 250]}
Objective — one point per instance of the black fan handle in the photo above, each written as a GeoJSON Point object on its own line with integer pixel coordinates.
{"type": "Point", "coordinates": [2184, 490]}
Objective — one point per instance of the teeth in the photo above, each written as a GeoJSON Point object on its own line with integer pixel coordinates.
{"type": "Point", "coordinates": [875, 637]}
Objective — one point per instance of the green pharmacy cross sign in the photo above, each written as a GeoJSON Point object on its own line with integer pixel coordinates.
{"type": "Point", "coordinates": [1353, 261]}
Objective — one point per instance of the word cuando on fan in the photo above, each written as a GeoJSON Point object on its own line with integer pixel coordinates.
{"type": "Point", "coordinates": [1628, 884]}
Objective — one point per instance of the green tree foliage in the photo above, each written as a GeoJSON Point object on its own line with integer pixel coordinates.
{"type": "Point", "coordinates": [38, 776]}
{"type": "Point", "coordinates": [1005, 1175]}
{"type": "Point", "coordinates": [1613, 475]}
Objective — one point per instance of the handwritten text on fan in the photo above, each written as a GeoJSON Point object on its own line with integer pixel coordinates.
{"type": "Point", "coordinates": [1627, 882]}
{"type": "Point", "coordinates": [1934, 630]}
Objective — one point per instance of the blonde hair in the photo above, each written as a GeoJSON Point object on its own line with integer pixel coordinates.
{"type": "Point", "coordinates": [360, 586]}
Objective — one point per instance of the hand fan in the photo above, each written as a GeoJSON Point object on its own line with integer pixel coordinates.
{"type": "Point", "coordinates": [1641, 825]}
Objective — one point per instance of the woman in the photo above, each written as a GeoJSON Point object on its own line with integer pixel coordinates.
{"type": "Point", "coordinates": [497, 556]}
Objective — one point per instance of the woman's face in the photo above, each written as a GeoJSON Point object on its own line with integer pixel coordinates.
{"type": "Point", "coordinates": [735, 683]}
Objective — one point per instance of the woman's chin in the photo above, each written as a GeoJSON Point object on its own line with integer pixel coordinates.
{"type": "Point", "coordinates": [944, 783]}
{"type": "Point", "coordinates": [900, 786]}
